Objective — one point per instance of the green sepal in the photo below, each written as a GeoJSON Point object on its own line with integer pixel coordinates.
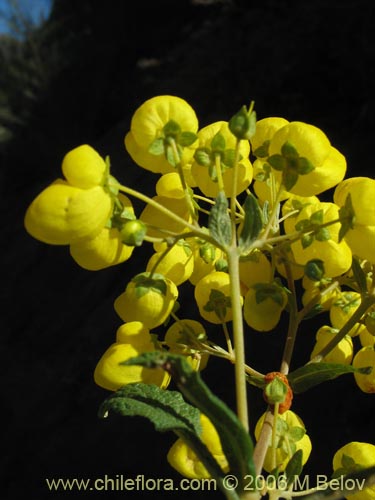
{"type": "Point", "coordinates": [203, 157]}
{"type": "Point", "coordinates": [314, 269]}
{"type": "Point", "coordinates": [186, 139]}
{"type": "Point", "coordinates": [294, 467]}
{"type": "Point", "coordinates": [235, 440]}
{"type": "Point", "coordinates": [219, 222]}
{"type": "Point", "coordinates": [171, 128]}
{"type": "Point", "coordinates": [253, 223]}
{"type": "Point", "coordinates": [359, 275]}
{"type": "Point", "coordinates": [218, 303]}
{"type": "Point", "coordinates": [289, 179]}
{"type": "Point", "coordinates": [313, 374]}
{"type": "Point", "coordinates": [278, 162]}
{"type": "Point", "coordinates": [133, 233]}
{"type": "Point", "coordinates": [218, 143]}
{"type": "Point", "coordinates": [262, 151]}
{"type": "Point", "coordinates": [264, 291]}
{"type": "Point", "coordinates": [156, 148]}
{"type": "Point", "coordinates": [347, 217]}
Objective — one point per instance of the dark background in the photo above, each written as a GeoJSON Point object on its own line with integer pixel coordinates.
{"type": "Point", "coordinates": [312, 61]}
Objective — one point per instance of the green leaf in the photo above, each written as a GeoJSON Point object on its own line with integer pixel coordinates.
{"type": "Point", "coordinates": [157, 147]}
{"type": "Point", "coordinates": [253, 222]}
{"type": "Point", "coordinates": [313, 374]}
{"type": "Point", "coordinates": [219, 222]}
{"type": "Point", "coordinates": [186, 139]}
{"type": "Point", "coordinates": [294, 467]}
{"type": "Point", "coordinates": [168, 411]}
{"type": "Point", "coordinates": [235, 440]}
{"type": "Point", "coordinates": [359, 275]}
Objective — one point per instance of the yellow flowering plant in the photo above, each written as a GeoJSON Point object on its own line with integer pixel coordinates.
{"type": "Point", "coordinates": [237, 225]}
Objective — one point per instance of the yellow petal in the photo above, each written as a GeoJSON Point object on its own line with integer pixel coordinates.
{"type": "Point", "coordinates": [84, 167]}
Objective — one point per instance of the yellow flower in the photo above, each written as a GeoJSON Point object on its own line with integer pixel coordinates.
{"type": "Point", "coordinates": [362, 193]}
{"type": "Point", "coordinates": [83, 167]}
{"type": "Point", "coordinates": [365, 357]}
{"type": "Point", "coordinates": [320, 243]}
{"type": "Point", "coordinates": [204, 171]}
{"type": "Point", "coordinates": [313, 149]}
{"type": "Point", "coordinates": [62, 214]}
{"type": "Point", "coordinates": [150, 118]}
{"type": "Point", "coordinates": [186, 462]}
{"type": "Point", "coordinates": [147, 299]}
{"type": "Point", "coordinates": [265, 185]}
{"type": "Point", "coordinates": [342, 353]}
{"type": "Point", "coordinates": [177, 264]}
{"type": "Point", "coordinates": [103, 251]}
{"type": "Point", "coordinates": [212, 295]}
{"type": "Point", "coordinates": [351, 458]}
{"type": "Point", "coordinates": [290, 437]}
{"type": "Point", "coordinates": [169, 185]}
{"type": "Point", "coordinates": [263, 305]}
{"type": "Point", "coordinates": [132, 339]}
{"type": "Point", "coordinates": [255, 268]}
{"type": "Point", "coordinates": [265, 130]}
{"type": "Point", "coordinates": [314, 289]}
{"type": "Point", "coordinates": [182, 337]}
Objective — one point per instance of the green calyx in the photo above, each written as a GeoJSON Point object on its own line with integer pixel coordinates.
{"type": "Point", "coordinates": [216, 153]}
{"type": "Point", "coordinates": [314, 270]}
{"type": "Point", "coordinates": [273, 291]}
{"type": "Point", "coordinates": [172, 142]}
{"type": "Point", "coordinates": [275, 391]}
{"type": "Point", "coordinates": [218, 303]}
{"type": "Point", "coordinates": [313, 229]}
{"type": "Point", "coordinates": [145, 283]}
{"type": "Point", "coordinates": [133, 233]}
{"type": "Point", "coordinates": [290, 164]}
{"type": "Point", "coordinates": [243, 124]}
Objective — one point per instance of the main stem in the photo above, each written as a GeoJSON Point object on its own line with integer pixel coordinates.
{"type": "Point", "coordinates": [238, 337]}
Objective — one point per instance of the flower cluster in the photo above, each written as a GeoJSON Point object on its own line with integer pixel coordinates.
{"type": "Point", "coordinates": [237, 221]}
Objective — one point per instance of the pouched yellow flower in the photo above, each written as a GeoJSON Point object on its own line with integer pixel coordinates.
{"type": "Point", "coordinates": [343, 308]}
{"type": "Point", "coordinates": [363, 358]}
{"type": "Point", "coordinates": [362, 193]}
{"type": "Point", "coordinates": [212, 295]}
{"type": "Point", "coordinates": [206, 176]}
{"type": "Point", "coordinates": [320, 243]}
{"type": "Point", "coordinates": [177, 264]}
{"type": "Point", "coordinates": [255, 268]}
{"type": "Point", "coordinates": [361, 241]}
{"type": "Point", "coordinates": [265, 130]}
{"type": "Point", "coordinates": [366, 338]}
{"type": "Point", "coordinates": [83, 167]}
{"type": "Point", "coordinates": [159, 224]}
{"type": "Point", "coordinates": [313, 146]}
{"type": "Point", "coordinates": [183, 336]}
{"type": "Point", "coordinates": [185, 461]}
{"type": "Point", "coordinates": [290, 437]}
{"type": "Point", "coordinates": [62, 214]}
{"type": "Point", "coordinates": [263, 305]}
{"type": "Point", "coordinates": [103, 251]}
{"type": "Point", "coordinates": [147, 299]}
{"type": "Point", "coordinates": [342, 353]}
{"type": "Point", "coordinates": [133, 339]}
{"type": "Point", "coordinates": [351, 458]}
{"type": "Point", "coordinates": [150, 118]}
{"type": "Point", "coordinates": [170, 186]}
{"type": "Point", "coordinates": [265, 185]}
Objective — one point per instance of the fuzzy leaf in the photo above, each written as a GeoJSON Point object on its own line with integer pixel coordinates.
{"type": "Point", "coordinates": [219, 222]}
{"type": "Point", "coordinates": [253, 222]}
